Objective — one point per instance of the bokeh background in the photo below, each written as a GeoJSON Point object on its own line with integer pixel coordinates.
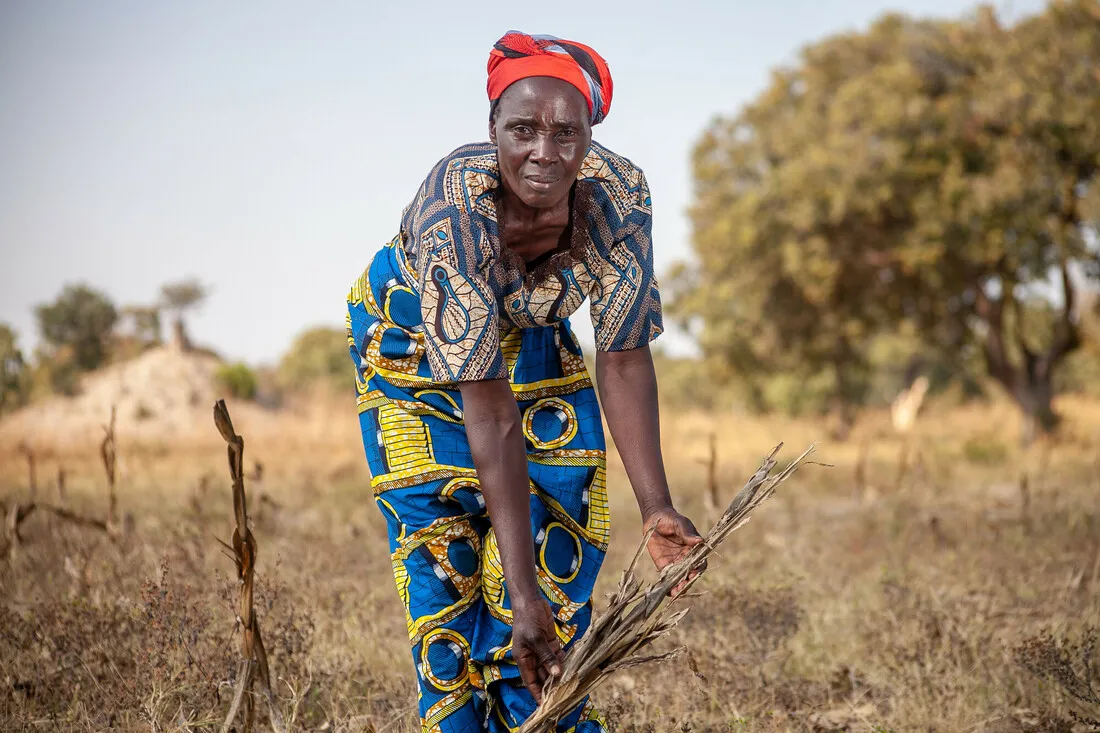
{"type": "Point", "coordinates": [875, 228]}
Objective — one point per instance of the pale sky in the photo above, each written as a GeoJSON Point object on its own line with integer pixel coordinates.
{"type": "Point", "coordinates": [268, 148]}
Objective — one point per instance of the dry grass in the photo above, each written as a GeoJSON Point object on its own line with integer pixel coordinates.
{"type": "Point", "coordinates": [947, 601]}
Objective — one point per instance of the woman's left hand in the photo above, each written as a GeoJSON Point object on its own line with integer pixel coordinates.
{"type": "Point", "coordinates": [673, 537]}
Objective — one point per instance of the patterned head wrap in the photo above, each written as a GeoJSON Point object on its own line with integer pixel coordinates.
{"type": "Point", "coordinates": [517, 56]}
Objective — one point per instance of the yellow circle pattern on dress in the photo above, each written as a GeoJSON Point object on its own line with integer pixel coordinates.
{"type": "Point", "coordinates": [452, 487]}
{"type": "Point", "coordinates": [444, 635]}
{"type": "Point", "coordinates": [576, 548]}
{"type": "Point", "coordinates": [389, 295]}
{"type": "Point", "coordinates": [563, 411]}
{"type": "Point", "coordinates": [455, 410]}
{"type": "Point", "coordinates": [389, 511]}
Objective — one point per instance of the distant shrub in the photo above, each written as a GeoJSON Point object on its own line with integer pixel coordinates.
{"type": "Point", "coordinates": [15, 375]}
{"type": "Point", "coordinates": [238, 380]}
{"type": "Point", "coordinates": [318, 354]}
{"type": "Point", "coordinates": [55, 373]}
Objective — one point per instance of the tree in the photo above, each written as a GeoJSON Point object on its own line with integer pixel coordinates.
{"type": "Point", "coordinates": [81, 320]}
{"type": "Point", "coordinates": [180, 297]}
{"type": "Point", "coordinates": [145, 322]}
{"type": "Point", "coordinates": [317, 354]}
{"type": "Point", "coordinates": [14, 374]}
{"type": "Point", "coordinates": [1039, 118]}
{"type": "Point", "coordinates": [922, 175]}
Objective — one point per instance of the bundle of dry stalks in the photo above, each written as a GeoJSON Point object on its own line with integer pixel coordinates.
{"type": "Point", "coordinates": [635, 617]}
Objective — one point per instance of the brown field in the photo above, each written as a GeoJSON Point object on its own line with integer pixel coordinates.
{"type": "Point", "coordinates": [856, 599]}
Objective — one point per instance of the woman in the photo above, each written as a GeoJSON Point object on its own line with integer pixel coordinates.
{"type": "Point", "coordinates": [479, 419]}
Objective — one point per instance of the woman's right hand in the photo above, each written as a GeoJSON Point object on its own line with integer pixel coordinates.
{"type": "Point", "coordinates": [494, 427]}
{"type": "Point", "coordinates": [535, 645]}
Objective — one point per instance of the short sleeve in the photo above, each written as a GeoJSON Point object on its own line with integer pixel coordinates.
{"type": "Point", "coordinates": [461, 325]}
{"type": "Point", "coordinates": [626, 301]}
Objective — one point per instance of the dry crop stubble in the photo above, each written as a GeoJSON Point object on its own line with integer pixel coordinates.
{"type": "Point", "coordinates": [253, 668]}
{"type": "Point", "coordinates": [19, 512]}
{"type": "Point", "coordinates": [909, 605]}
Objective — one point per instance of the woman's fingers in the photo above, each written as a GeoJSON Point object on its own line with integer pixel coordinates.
{"type": "Point", "coordinates": [674, 538]}
{"type": "Point", "coordinates": [538, 675]}
{"type": "Point", "coordinates": [528, 673]}
{"type": "Point", "coordinates": [557, 659]}
{"type": "Point", "coordinates": [688, 532]}
{"type": "Point", "coordinates": [678, 528]}
{"type": "Point", "coordinates": [551, 662]}
{"type": "Point", "coordinates": [539, 657]}
{"type": "Point", "coordinates": [536, 692]}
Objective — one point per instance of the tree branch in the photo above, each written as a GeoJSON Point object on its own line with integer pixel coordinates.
{"type": "Point", "coordinates": [1067, 335]}
{"type": "Point", "coordinates": [996, 358]}
{"type": "Point", "coordinates": [1029, 356]}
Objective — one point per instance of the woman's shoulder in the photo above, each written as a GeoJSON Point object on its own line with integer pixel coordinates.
{"type": "Point", "coordinates": [620, 178]}
{"type": "Point", "coordinates": [476, 154]}
{"type": "Point", "coordinates": [461, 177]}
{"type": "Point", "coordinates": [602, 160]}
{"type": "Point", "coordinates": [618, 184]}
{"type": "Point", "coordinates": [466, 164]}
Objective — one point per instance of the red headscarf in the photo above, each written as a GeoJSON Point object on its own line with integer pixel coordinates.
{"type": "Point", "coordinates": [517, 56]}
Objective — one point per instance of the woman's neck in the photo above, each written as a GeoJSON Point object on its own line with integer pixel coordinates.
{"type": "Point", "coordinates": [532, 232]}
{"type": "Point", "coordinates": [519, 213]}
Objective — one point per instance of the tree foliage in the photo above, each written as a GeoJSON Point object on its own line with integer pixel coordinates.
{"type": "Point", "coordinates": [180, 297]}
{"type": "Point", "coordinates": [14, 372]}
{"type": "Point", "coordinates": [928, 177]}
{"type": "Point", "coordinates": [237, 380]}
{"type": "Point", "coordinates": [145, 323]}
{"type": "Point", "coordinates": [317, 354]}
{"type": "Point", "coordinates": [183, 295]}
{"type": "Point", "coordinates": [81, 320]}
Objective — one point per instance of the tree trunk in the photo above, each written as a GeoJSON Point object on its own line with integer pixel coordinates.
{"type": "Point", "coordinates": [841, 419]}
{"type": "Point", "coordinates": [1029, 378]}
{"type": "Point", "coordinates": [842, 407]}
{"type": "Point", "coordinates": [180, 339]}
{"type": "Point", "coordinates": [1034, 394]}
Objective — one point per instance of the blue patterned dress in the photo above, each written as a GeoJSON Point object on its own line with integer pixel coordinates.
{"type": "Point", "coordinates": [441, 304]}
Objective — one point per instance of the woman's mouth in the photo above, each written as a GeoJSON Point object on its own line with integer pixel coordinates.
{"type": "Point", "coordinates": [542, 183]}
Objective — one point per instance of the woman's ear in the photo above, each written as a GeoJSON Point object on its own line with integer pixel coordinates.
{"type": "Point", "coordinates": [493, 129]}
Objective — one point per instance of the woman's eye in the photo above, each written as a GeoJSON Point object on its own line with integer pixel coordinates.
{"type": "Point", "coordinates": [567, 133]}
{"type": "Point", "coordinates": [523, 129]}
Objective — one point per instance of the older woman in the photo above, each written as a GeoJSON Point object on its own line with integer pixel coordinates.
{"type": "Point", "coordinates": [480, 422]}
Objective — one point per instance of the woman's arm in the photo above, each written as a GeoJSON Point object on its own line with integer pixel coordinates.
{"type": "Point", "coordinates": [628, 393]}
{"type": "Point", "coordinates": [493, 428]}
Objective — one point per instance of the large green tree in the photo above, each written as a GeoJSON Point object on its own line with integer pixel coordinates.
{"type": "Point", "coordinates": [80, 320]}
{"type": "Point", "coordinates": [923, 176]}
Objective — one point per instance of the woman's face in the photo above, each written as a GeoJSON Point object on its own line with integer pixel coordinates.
{"type": "Point", "coordinates": [542, 134]}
